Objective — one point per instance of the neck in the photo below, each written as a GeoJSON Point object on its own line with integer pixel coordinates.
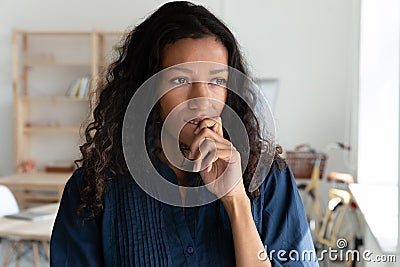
{"type": "Point", "coordinates": [180, 174]}
{"type": "Point", "coordinates": [181, 177]}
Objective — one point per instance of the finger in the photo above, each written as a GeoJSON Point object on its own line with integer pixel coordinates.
{"type": "Point", "coordinates": [209, 154]}
{"type": "Point", "coordinates": [225, 155]}
{"type": "Point", "coordinates": [195, 151]}
{"type": "Point", "coordinates": [214, 123]}
{"type": "Point", "coordinates": [219, 141]}
{"type": "Point", "coordinates": [206, 153]}
{"type": "Point", "coordinates": [206, 148]}
{"type": "Point", "coordinates": [209, 168]}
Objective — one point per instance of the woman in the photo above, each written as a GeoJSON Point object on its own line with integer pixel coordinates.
{"type": "Point", "coordinates": [105, 216]}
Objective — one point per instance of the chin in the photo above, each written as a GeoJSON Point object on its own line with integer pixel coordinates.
{"type": "Point", "coordinates": [187, 140]}
{"type": "Point", "coordinates": [186, 135]}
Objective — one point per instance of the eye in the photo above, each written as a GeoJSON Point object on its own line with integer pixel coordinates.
{"type": "Point", "coordinates": [219, 81]}
{"type": "Point", "coordinates": [179, 80]}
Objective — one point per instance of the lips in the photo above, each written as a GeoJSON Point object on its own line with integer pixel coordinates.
{"type": "Point", "coordinates": [196, 121]}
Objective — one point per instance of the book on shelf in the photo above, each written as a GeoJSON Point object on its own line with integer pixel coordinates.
{"type": "Point", "coordinates": [74, 88]}
{"type": "Point", "coordinates": [79, 88]}
{"type": "Point", "coordinates": [84, 87]}
{"type": "Point", "coordinates": [59, 166]}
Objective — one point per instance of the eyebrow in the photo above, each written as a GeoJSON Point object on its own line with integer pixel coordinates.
{"type": "Point", "coordinates": [218, 71]}
{"type": "Point", "coordinates": [186, 70]}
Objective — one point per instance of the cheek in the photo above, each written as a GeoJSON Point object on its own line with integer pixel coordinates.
{"type": "Point", "coordinates": [221, 97]}
{"type": "Point", "coordinates": [225, 95]}
{"type": "Point", "coordinates": [169, 101]}
{"type": "Point", "coordinates": [165, 108]}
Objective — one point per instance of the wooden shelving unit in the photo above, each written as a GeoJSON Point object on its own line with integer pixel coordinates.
{"type": "Point", "coordinates": [45, 65]}
{"type": "Point", "coordinates": [50, 129]}
{"type": "Point", "coordinates": [56, 64]}
{"type": "Point", "coordinates": [53, 99]}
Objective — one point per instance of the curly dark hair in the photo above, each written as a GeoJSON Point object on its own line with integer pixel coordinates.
{"type": "Point", "coordinates": [140, 58]}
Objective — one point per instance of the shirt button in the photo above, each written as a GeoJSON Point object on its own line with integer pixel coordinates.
{"type": "Point", "coordinates": [189, 249]}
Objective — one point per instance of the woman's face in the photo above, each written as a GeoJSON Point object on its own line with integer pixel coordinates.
{"type": "Point", "coordinates": [199, 89]}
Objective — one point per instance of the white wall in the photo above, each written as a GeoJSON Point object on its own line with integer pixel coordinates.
{"type": "Point", "coordinates": [310, 45]}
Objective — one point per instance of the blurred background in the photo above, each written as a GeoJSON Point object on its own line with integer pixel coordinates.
{"type": "Point", "coordinates": [329, 68]}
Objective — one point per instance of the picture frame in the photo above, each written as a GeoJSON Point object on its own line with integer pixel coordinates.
{"type": "Point", "coordinates": [269, 87]}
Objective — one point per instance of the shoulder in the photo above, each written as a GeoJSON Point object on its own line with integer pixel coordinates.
{"type": "Point", "coordinates": [77, 177]}
{"type": "Point", "coordinates": [74, 241]}
{"type": "Point", "coordinates": [71, 198]}
{"type": "Point", "coordinates": [277, 178]}
{"type": "Point", "coordinates": [283, 214]}
{"type": "Point", "coordinates": [279, 190]}
{"type": "Point", "coordinates": [75, 182]}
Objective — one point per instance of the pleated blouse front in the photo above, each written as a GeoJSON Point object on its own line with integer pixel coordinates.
{"type": "Point", "coordinates": [135, 229]}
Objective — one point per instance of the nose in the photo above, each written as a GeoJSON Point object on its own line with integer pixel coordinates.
{"type": "Point", "coordinates": [199, 96]}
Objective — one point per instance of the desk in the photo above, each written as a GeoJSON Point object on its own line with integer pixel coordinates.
{"type": "Point", "coordinates": [378, 203]}
{"type": "Point", "coordinates": [24, 229]}
{"type": "Point", "coordinates": [36, 187]}
{"type": "Point", "coordinates": [19, 231]}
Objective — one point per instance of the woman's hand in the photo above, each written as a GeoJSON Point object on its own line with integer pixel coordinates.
{"type": "Point", "coordinates": [221, 172]}
{"type": "Point", "coordinates": [217, 159]}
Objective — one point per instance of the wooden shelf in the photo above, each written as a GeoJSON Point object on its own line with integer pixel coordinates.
{"type": "Point", "coordinates": [54, 99]}
{"type": "Point", "coordinates": [45, 33]}
{"type": "Point", "coordinates": [50, 129]}
{"type": "Point", "coordinates": [52, 180]}
{"type": "Point", "coordinates": [40, 106]}
{"type": "Point", "coordinates": [57, 64]}
{"type": "Point", "coordinates": [71, 33]}
{"type": "Point", "coordinates": [117, 33]}
{"type": "Point", "coordinates": [72, 55]}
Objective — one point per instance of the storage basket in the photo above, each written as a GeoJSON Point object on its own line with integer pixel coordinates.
{"type": "Point", "coordinates": [302, 162]}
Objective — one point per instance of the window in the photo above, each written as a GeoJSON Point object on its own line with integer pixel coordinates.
{"type": "Point", "coordinates": [378, 118]}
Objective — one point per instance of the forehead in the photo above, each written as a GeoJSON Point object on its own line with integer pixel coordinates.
{"type": "Point", "coordinates": [197, 69]}
{"type": "Point", "coordinates": [189, 50]}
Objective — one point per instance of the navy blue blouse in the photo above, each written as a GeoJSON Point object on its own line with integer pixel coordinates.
{"type": "Point", "coordinates": [135, 229]}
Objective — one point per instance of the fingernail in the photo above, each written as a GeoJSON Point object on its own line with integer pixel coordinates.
{"type": "Point", "coordinates": [209, 168]}
{"type": "Point", "coordinates": [197, 130]}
